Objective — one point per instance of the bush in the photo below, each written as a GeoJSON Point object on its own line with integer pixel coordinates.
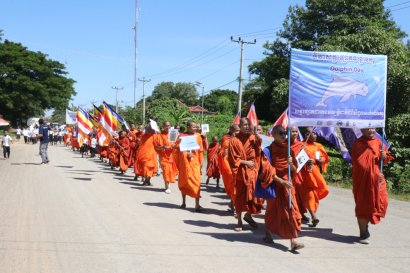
{"type": "Point", "coordinates": [338, 170]}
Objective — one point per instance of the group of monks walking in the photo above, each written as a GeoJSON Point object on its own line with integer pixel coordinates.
{"type": "Point", "coordinates": [242, 163]}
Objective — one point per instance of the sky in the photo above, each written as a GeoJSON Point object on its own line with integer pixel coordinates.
{"type": "Point", "coordinates": [179, 41]}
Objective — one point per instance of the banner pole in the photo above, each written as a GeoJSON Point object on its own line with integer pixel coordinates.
{"type": "Point", "coordinates": [289, 190]}
{"type": "Point", "coordinates": [381, 159]}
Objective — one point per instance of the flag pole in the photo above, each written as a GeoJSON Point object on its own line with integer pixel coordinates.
{"type": "Point", "coordinates": [289, 190]}
{"type": "Point", "coordinates": [381, 159]}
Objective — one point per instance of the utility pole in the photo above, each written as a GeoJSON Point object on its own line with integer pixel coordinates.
{"type": "Point", "coordinates": [135, 50]}
{"type": "Point", "coordinates": [116, 96]}
{"type": "Point", "coordinates": [202, 114]}
{"type": "Point", "coordinates": [143, 80]}
{"type": "Point", "coordinates": [241, 43]}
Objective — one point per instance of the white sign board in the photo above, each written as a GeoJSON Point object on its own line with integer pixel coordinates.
{"type": "Point", "coordinates": [188, 143]}
{"type": "Point", "coordinates": [302, 158]}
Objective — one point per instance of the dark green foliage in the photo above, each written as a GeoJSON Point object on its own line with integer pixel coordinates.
{"type": "Point", "coordinates": [30, 83]}
{"type": "Point", "coordinates": [221, 101]}
{"type": "Point", "coordinates": [185, 92]}
{"type": "Point", "coordinates": [360, 26]}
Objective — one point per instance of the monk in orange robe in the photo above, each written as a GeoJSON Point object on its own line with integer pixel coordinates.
{"type": "Point", "coordinates": [314, 185]}
{"type": "Point", "coordinates": [189, 166]}
{"type": "Point", "coordinates": [369, 185]}
{"type": "Point", "coordinates": [297, 146]}
{"type": "Point", "coordinates": [223, 164]}
{"type": "Point", "coordinates": [147, 156]}
{"type": "Point", "coordinates": [132, 136]}
{"type": "Point", "coordinates": [280, 218]}
{"type": "Point", "coordinates": [113, 153]}
{"type": "Point", "coordinates": [124, 151]}
{"type": "Point", "coordinates": [212, 169]}
{"type": "Point", "coordinates": [165, 150]}
{"type": "Point", "coordinates": [139, 134]}
{"type": "Point", "coordinates": [74, 143]}
{"type": "Point", "coordinates": [243, 155]}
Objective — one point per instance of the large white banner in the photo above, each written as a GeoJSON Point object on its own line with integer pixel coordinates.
{"type": "Point", "coordinates": [337, 89]}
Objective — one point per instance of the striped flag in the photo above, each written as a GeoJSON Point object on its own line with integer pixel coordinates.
{"type": "Point", "coordinates": [85, 126]}
{"type": "Point", "coordinates": [253, 118]}
{"type": "Point", "coordinates": [109, 122]}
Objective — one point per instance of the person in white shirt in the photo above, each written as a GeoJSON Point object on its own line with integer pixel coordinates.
{"type": "Point", "coordinates": [93, 145]}
{"type": "Point", "coordinates": [5, 142]}
{"type": "Point", "coordinates": [25, 134]}
{"type": "Point", "coordinates": [18, 134]}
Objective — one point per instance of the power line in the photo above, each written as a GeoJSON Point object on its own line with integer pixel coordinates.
{"type": "Point", "coordinates": [198, 65]}
{"type": "Point", "coordinates": [406, 7]}
{"type": "Point", "coordinates": [223, 68]}
{"type": "Point", "coordinates": [399, 4]}
{"type": "Point", "coordinates": [206, 53]}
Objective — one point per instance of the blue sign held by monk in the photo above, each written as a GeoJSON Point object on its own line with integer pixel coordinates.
{"type": "Point", "coordinates": [337, 89]}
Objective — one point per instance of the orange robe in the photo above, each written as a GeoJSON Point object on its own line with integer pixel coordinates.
{"type": "Point", "coordinates": [147, 156]}
{"type": "Point", "coordinates": [212, 169]}
{"type": "Point", "coordinates": [243, 147]}
{"type": "Point", "coordinates": [133, 143]}
{"type": "Point", "coordinates": [74, 143]}
{"type": "Point", "coordinates": [297, 180]}
{"type": "Point", "coordinates": [279, 218]}
{"type": "Point", "coordinates": [224, 167]}
{"type": "Point", "coordinates": [189, 177]}
{"type": "Point", "coordinates": [369, 194]}
{"type": "Point", "coordinates": [113, 153]}
{"type": "Point", "coordinates": [314, 185]}
{"type": "Point", "coordinates": [168, 166]}
{"type": "Point", "coordinates": [124, 153]}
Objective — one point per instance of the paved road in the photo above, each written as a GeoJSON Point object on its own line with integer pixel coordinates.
{"type": "Point", "coordinates": [77, 215]}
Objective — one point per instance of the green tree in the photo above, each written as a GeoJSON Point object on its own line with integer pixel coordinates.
{"type": "Point", "coordinates": [211, 100]}
{"type": "Point", "coordinates": [166, 109]}
{"type": "Point", "coordinates": [360, 26]}
{"type": "Point", "coordinates": [340, 25]}
{"type": "Point", "coordinates": [185, 92]}
{"type": "Point", "coordinates": [224, 105]}
{"type": "Point", "coordinates": [30, 83]}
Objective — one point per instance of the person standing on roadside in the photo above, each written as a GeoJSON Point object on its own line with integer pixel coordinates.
{"type": "Point", "coordinates": [43, 137]}
{"type": "Point", "coordinates": [5, 143]}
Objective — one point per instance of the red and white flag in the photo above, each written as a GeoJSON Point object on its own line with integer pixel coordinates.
{"type": "Point", "coordinates": [236, 120]}
{"type": "Point", "coordinates": [282, 120]}
{"type": "Point", "coordinates": [253, 118]}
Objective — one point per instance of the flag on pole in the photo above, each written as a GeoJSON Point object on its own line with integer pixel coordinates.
{"type": "Point", "coordinates": [85, 126]}
{"type": "Point", "coordinates": [109, 122]}
{"type": "Point", "coordinates": [236, 120]}
{"type": "Point", "coordinates": [94, 120]}
{"type": "Point", "coordinates": [253, 118]}
{"type": "Point", "coordinates": [70, 117]}
{"type": "Point", "coordinates": [283, 120]}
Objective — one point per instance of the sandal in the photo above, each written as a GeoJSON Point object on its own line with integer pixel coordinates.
{"type": "Point", "coordinates": [199, 209]}
{"type": "Point", "coordinates": [315, 222]}
{"type": "Point", "coordinates": [238, 228]}
{"type": "Point", "coordinates": [268, 240]}
{"type": "Point", "coordinates": [250, 221]}
{"type": "Point", "coordinates": [183, 206]}
{"type": "Point", "coordinates": [297, 246]}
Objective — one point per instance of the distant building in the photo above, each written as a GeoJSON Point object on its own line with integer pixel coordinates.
{"type": "Point", "coordinates": [196, 109]}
